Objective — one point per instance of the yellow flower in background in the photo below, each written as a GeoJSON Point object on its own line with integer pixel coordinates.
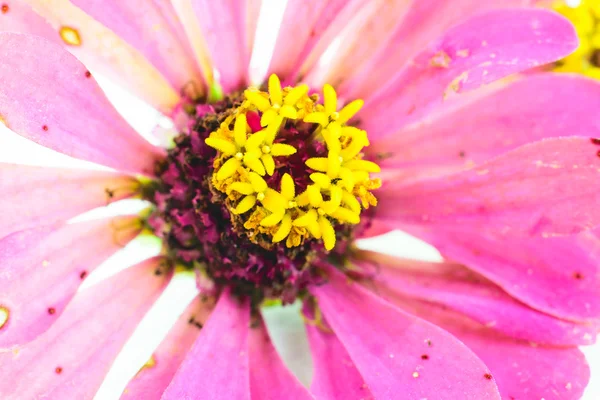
{"type": "Point", "coordinates": [586, 19]}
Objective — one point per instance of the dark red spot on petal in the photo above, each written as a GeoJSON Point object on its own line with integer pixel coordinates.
{"type": "Point", "coordinates": [428, 342]}
{"type": "Point", "coordinates": [595, 141]}
{"type": "Point", "coordinates": [424, 357]}
{"type": "Point", "coordinates": [578, 275]}
{"type": "Point", "coordinates": [88, 74]}
{"type": "Point", "coordinates": [45, 128]}
{"type": "Point", "coordinates": [461, 154]}
{"type": "Point", "coordinates": [58, 370]}
{"type": "Point", "coordinates": [5, 8]}
{"type": "Point", "coordinates": [598, 153]}
{"type": "Point", "coordinates": [51, 310]}
{"type": "Point", "coordinates": [83, 274]}
{"type": "Point", "coordinates": [487, 376]}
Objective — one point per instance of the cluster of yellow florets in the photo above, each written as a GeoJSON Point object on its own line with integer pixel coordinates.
{"type": "Point", "coordinates": [340, 180]}
{"type": "Point", "coordinates": [586, 19]}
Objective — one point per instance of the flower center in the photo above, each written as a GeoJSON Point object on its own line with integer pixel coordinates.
{"type": "Point", "coordinates": [265, 183]}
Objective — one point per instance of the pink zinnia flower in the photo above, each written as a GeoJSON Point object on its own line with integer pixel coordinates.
{"type": "Point", "coordinates": [266, 190]}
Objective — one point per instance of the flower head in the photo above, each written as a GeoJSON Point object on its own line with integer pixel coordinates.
{"type": "Point", "coordinates": [421, 120]}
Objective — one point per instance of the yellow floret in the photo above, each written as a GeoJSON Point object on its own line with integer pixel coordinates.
{"type": "Point", "coordinates": [341, 181]}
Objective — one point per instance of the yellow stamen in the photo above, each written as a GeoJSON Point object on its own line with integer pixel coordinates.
{"type": "Point", "coordinates": [222, 145]}
{"type": "Point", "coordinates": [284, 230]}
{"type": "Point", "coordinates": [321, 179]}
{"type": "Point", "coordinates": [350, 111]}
{"type": "Point", "coordinates": [228, 169]}
{"type": "Point", "coordinates": [280, 149]}
{"type": "Point", "coordinates": [330, 100]}
{"type": "Point", "coordinates": [317, 118]}
{"type": "Point", "coordinates": [245, 205]}
{"type": "Point", "coordinates": [296, 94]}
{"type": "Point", "coordinates": [327, 232]}
{"type": "Point", "coordinates": [288, 189]}
{"type": "Point", "coordinates": [275, 90]}
{"type": "Point", "coordinates": [342, 179]}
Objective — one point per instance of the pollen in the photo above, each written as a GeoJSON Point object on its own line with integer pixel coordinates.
{"type": "Point", "coordinates": [4, 314]}
{"type": "Point", "coordinates": [278, 195]}
{"type": "Point", "coordinates": [70, 36]}
{"type": "Point", "coordinates": [586, 19]}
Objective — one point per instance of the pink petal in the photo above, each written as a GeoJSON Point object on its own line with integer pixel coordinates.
{"type": "Point", "coordinates": [558, 276]}
{"type": "Point", "coordinates": [522, 370]}
{"type": "Point", "coordinates": [218, 360]}
{"type": "Point", "coordinates": [253, 12]}
{"type": "Point", "coordinates": [223, 24]}
{"type": "Point", "coordinates": [98, 47]}
{"type": "Point", "coordinates": [72, 358]}
{"type": "Point", "coordinates": [550, 187]}
{"type": "Point", "coordinates": [386, 345]}
{"type": "Point", "coordinates": [426, 21]}
{"type": "Point", "coordinates": [47, 97]}
{"type": "Point", "coordinates": [455, 287]}
{"type": "Point", "coordinates": [21, 18]}
{"type": "Point", "coordinates": [335, 375]}
{"type": "Point", "coordinates": [269, 377]}
{"type": "Point", "coordinates": [537, 107]}
{"type": "Point", "coordinates": [153, 379]}
{"type": "Point", "coordinates": [64, 193]}
{"type": "Point", "coordinates": [313, 25]}
{"type": "Point", "coordinates": [373, 227]}
{"type": "Point", "coordinates": [42, 268]}
{"type": "Point", "coordinates": [370, 29]}
{"type": "Point", "coordinates": [469, 55]}
{"type": "Point", "coordinates": [154, 30]}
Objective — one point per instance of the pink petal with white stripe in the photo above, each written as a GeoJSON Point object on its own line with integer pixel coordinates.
{"type": "Point", "coordinates": [152, 380]}
{"type": "Point", "coordinates": [154, 30]}
{"type": "Point", "coordinates": [426, 21]}
{"type": "Point", "coordinates": [468, 56]}
{"type": "Point", "coordinates": [522, 370]}
{"type": "Point", "coordinates": [453, 286]}
{"type": "Point", "coordinates": [362, 36]}
{"type": "Point", "coordinates": [534, 108]}
{"type": "Point", "coordinates": [253, 8]}
{"type": "Point", "coordinates": [558, 276]}
{"type": "Point", "coordinates": [42, 268]}
{"type": "Point", "coordinates": [551, 187]}
{"type": "Point", "coordinates": [385, 344]}
{"type": "Point", "coordinates": [216, 367]}
{"type": "Point", "coordinates": [102, 50]}
{"type": "Point", "coordinates": [269, 377]}
{"type": "Point", "coordinates": [49, 97]}
{"type": "Point", "coordinates": [311, 25]}
{"type": "Point", "coordinates": [335, 375]}
{"type": "Point", "coordinates": [34, 196]}
{"type": "Point", "coordinates": [71, 359]}
{"type": "Point", "coordinates": [223, 24]}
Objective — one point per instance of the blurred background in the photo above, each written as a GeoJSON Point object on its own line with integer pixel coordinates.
{"type": "Point", "coordinates": [285, 324]}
